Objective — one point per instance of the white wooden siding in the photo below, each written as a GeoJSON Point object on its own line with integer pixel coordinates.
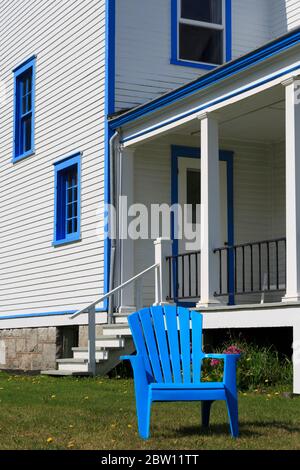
{"type": "Point", "coordinates": [68, 38]}
{"type": "Point", "coordinates": [259, 199]}
{"type": "Point", "coordinates": [143, 46]}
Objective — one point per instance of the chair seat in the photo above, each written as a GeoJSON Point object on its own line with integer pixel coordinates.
{"type": "Point", "coordinates": [188, 386]}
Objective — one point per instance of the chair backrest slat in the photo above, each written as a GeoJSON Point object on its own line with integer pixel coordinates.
{"type": "Point", "coordinates": [147, 324]}
{"type": "Point", "coordinates": [161, 337]}
{"type": "Point", "coordinates": [139, 341]}
{"type": "Point", "coordinates": [172, 332]}
{"type": "Point", "coordinates": [185, 343]}
{"type": "Point", "coordinates": [197, 354]}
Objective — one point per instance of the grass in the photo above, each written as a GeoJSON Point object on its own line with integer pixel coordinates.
{"type": "Point", "coordinates": [99, 414]}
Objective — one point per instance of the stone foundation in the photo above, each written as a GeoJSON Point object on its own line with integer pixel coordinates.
{"type": "Point", "coordinates": [28, 349]}
{"type": "Point", "coordinates": [83, 335]}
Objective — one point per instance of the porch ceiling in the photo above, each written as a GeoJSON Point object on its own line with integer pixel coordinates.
{"type": "Point", "coordinates": [260, 118]}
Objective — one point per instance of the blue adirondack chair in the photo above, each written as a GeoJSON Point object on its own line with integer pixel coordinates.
{"type": "Point", "coordinates": [167, 366]}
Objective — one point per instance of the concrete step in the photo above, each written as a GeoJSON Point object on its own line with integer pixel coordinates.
{"type": "Point", "coordinates": [82, 353]}
{"type": "Point", "coordinates": [110, 342]}
{"type": "Point", "coordinates": [65, 373]}
{"type": "Point", "coordinates": [121, 318]}
{"type": "Point", "coordinates": [116, 330]}
{"type": "Point", "coordinates": [75, 365]}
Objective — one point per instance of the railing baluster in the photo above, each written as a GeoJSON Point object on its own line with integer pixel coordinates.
{"type": "Point", "coordinates": [251, 261]}
{"type": "Point", "coordinates": [277, 266]}
{"type": "Point", "coordinates": [197, 278]}
{"type": "Point", "coordinates": [244, 270]}
{"type": "Point", "coordinates": [190, 275]}
{"type": "Point", "coordinates": [259, 266]}
{"type": "Point", "coordinates": [268, 265]}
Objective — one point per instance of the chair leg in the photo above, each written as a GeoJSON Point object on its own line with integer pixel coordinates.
{"type": "Point", "coordinates": [232, 407]}
{"type": "Point", "coordinates": [143, 407]}
{"type": "Point", "coordinates": [206, 407]}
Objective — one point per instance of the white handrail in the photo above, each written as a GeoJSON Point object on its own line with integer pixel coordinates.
{"type": "Point", "coordinates": [114, 291]}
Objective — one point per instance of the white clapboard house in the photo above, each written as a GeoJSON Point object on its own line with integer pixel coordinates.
{"type": "Point", "coordinates": [164, 102]}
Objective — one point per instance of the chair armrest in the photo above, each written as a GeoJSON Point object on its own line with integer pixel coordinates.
{"type": "Point", "coordinates": [138, 366]}
{"type": "Point", "coordinates": [229, 357]}
{"type": "Point", "coordinates": [230, 364]}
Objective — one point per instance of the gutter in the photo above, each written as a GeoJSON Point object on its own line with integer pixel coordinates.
{"type": "Point", "coordinates": [112, 223]}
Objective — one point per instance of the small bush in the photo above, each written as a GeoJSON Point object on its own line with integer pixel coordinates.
{"type": "Point", "coordinates": [257, 367]}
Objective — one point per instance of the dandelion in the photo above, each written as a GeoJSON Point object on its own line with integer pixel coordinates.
{"type": "Point", "coordinates": [53, 397]}
{"type": "Point", "coordinates": [70, 445]}
{"type": "Point", "coordinates": [86, 398]}
{"type": "Point", "coordinates": [266, 381]}
{"type": "Point", "coordinates": [71, 426]}
{"type": "Point", "coordinates": [49, 440]}
{"type": "Point", "coordinates": [129, 426]}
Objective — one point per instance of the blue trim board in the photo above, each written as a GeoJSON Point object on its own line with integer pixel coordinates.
{"type": "Point", "coordinates": [110, 53]}
{"type": "Point", "coordinates": [175, 60]}
{"type": "Point", "coordinates": [29, 66]}
{"type": "Point", "coordinates": [177, 152]}
{"type": "Point", "coordinates": [217, 75]}
{"type": "Point", "coordinates": [45, 314]}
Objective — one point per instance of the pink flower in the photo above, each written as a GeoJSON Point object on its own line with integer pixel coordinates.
{"type": "Point", "coordinates": [214, 362]}
{"type": "Point", "coordinates": [232, 350]}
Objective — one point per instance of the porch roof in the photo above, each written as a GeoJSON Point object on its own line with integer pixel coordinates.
{"type": "Point", "coordinates": [182, 98]}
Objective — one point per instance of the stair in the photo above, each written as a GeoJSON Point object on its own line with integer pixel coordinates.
{"type": "Point", "coordinates": [114, 342]}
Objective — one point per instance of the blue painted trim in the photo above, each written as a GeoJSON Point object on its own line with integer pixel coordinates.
{"type": "Point", "coordinates": [60, 166]}
{"type": "Point", "coordinates": [110, 53]}
{"type": "Point", "coordinates": [177, 152]}
{"type": "Point", "coordinates": [175, 60]}
{"type": "Point", "coordinates": [18, 72]}
{"type": "Point", "coordinates": [219, 74]}
{"type": "Point", "coordinates": [45, 314]}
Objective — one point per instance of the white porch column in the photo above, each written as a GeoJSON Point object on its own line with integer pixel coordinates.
{"type": "Point", "coordinates": [127, 300]}
{"type": "Point", "coordinates": [292, 192]}
{"type": "Point", "coordinates": [210, 209]}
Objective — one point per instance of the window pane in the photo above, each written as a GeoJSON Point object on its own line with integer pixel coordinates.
{"type": "Point", "coordinates": [193, 192]}
{"type": "Point", "coordinates": [27, 134]}
{"type": "Point", "coordinates": [202, 10]}
{"type": "Point", "coordinates": [69, 227]}
{"type": "Point", "coordinates": [201, 44]}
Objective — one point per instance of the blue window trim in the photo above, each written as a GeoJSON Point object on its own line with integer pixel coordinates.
{"type": "Point", "coordinates": [68, 162]}
{"type": "Point", "coordinates": [18, 71]}
{"type": "Point", "coordinates": [177, 152]}
{"type": "Point", "coordinates": [175, 60]}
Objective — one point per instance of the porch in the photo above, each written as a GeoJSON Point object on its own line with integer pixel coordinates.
{"type": "Point", "coordinates": [238, 176]}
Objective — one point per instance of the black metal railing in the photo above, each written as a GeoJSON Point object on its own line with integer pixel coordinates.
{"type": "Point", "coordinates": [184, 276]}
{"type": "Point", "coordinates": [252, 268]}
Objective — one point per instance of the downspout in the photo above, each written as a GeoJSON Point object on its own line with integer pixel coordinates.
{"type": "Point", "coordinates": [112, 222]}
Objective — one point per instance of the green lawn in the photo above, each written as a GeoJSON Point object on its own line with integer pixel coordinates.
{"type": "Point", "coordinates": [45, 413]}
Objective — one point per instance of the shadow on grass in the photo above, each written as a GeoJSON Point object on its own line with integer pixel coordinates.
{"type": "Point", "coordinates": [246, 429]}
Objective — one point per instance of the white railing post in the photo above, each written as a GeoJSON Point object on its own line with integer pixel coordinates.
{"type": "Point", "coordinates": [92, 340]}
{"type": "Point", "coordinates": [139, 294]}
{"type": "Point", "coordinates": [163, 249]}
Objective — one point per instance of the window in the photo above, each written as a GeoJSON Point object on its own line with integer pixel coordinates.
{"type": "Point", "coordinates": [24, 78]}
{"type": "Point", "coordinates": [67, 200]}
{"type": "Point", "coordinates": [201, 32]}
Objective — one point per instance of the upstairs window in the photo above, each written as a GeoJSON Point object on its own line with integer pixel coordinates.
{"type": "Point", "coordinates": [67, 200]}
{"type": "Point", "coordinates": [201, 32]}
{"type": "Point", "coordinates": [24, 110]}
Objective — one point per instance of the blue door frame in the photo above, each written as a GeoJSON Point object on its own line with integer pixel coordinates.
{"type": "Point", "coordinates": [177, 152]}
